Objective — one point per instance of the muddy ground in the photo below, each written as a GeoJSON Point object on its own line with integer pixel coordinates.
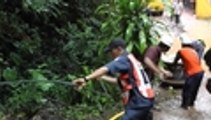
{"type": "Point", "coordinates": [169, 101]}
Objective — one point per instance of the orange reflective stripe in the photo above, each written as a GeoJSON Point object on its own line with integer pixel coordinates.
{"type": "Point", "coordinates": [150, 93]}
{"type": "Point", "coordinates": [124, 77]}
{"type": "Point", "coordinates": [124, 82]}
{"type": "Point", "coordinates": [140, 78]}
{"type": "Point", "coordinates": [128, 87]}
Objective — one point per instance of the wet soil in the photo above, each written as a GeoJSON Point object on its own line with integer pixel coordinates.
{"type": "Point", "coordinates": [169, 100]}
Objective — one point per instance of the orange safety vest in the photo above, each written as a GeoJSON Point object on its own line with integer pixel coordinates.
{"type": "Point", "coordinates": [141, 81]}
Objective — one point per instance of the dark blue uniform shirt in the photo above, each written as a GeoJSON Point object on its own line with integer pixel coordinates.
{"type": "Point", "coordinates": [122, 65]}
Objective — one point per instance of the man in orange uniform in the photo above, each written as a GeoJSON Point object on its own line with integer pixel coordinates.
{"type": "Point", "coordinates": [193, 69]}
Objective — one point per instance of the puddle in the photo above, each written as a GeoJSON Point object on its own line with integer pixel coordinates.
{"type": "Point", "coordinates": [170, 105]}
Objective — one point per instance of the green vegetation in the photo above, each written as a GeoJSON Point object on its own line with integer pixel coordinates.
{"type": "Point", "coordinates": [128, 19]}
{"type": "Point", "coordinates": [47, 40]}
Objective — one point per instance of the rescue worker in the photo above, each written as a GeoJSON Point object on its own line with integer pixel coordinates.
{"type": "Point", "coordinates": [207, 58]}
{"type": "Point", "coordinates": [197, 44]}
{"type": "Point", "coordinates": [152, 57]}
{"type": "Point", "coordinates": [193, 70]}
{"type": "Point", "coordinates": [137, 93]}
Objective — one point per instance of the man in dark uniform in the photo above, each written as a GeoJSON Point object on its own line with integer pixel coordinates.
{"type": "Point", "coordinates": [137, 106]}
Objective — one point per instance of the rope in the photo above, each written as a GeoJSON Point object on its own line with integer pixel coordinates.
{"type": "Point", "coordinates": [116, 116]}
{"type": "Point", "coordinates": [16, 83]}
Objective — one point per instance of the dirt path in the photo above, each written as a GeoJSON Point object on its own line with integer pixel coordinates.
{"type": "Point", "coordinates": [170, 109]}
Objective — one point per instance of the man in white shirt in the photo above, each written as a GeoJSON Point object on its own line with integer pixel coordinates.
{"type": "Point", "coordinates": [178, 9]}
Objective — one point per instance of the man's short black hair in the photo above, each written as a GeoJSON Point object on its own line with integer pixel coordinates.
{"type": "Point", "coordinates": [118, 42]}
{"type": "Point", "coordinates": [163, 46]}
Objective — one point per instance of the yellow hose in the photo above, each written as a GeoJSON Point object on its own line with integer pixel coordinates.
{"type": "Point", "coordinates": [116, 116]}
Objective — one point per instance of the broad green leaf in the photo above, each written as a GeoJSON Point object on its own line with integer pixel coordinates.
{"type": "Point", "coordinates": [43, 65]}
{"type": "Point", "coordinates": [16, 58]}
{"type": "Point", "coordinates": [132, 5]}
{"type": "Point", "coordinates": [102, 8]}
{"type": "Point", "coordinates": [129, 31]}
{"type": "Point", "coordinates": [46, 86]}
{"type": "Point", "coordinates": [71, 77]}
{"type": "Point", "coordinates": [10, 74]}
{"type": "Point", "coordinates": [104, 26]}
{"type": "Point", "coordinates": [86, 69]}
{"type": "Point", "coordinates": [143, 42]}
{"type": "Point", "coordinates": [130, 47]}
{"type": "Point", "coordinates": [42, 80]}
{"type": "Point", "coordinates": [153, 41]}
{"type": "Point", "coordinates": [124, 6]}
{"type": "Point", "coordinates": [37, 75]}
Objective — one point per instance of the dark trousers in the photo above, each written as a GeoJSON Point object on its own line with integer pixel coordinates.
{"type": "Point", "coordinates": [191, 88]}
{"type": "Point", "coordinates": [138, 107]}
{"type": "Point", "coordinates": [144, 114]}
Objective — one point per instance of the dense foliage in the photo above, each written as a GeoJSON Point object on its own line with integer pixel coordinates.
{"type": "Point", "coordinates": [46, 40]}
{"type": "Point", "coordinates": [129, 19]}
